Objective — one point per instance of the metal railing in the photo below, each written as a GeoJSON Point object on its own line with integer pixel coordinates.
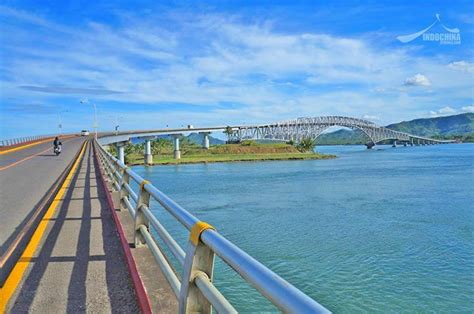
{"type": "Point", "coordinates": [194, 289]}
{"type": "Point", "coordinates": [19, 140]}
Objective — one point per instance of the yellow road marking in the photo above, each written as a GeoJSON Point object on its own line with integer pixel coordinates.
{"type": "Point", "coordinates": [20, 267]}
{"type": "Point", "coordinates": [28, 145]}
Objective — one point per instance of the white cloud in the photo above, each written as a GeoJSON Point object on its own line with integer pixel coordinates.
{"type": "Point", "coordinates": [273, 75]}
{"type": "Point", "coordinates": [446, 111]}
{"type": "Point", "coordinates": [468, 108]}
{"type": "Point", "coordinates": [418, 80]}
{"type": "Point", "coordinates": [371, 117]}
{"type": "Point", "coordinates": [462, 66]}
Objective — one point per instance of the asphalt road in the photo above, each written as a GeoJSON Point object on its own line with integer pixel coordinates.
{"type": "Point", "coordinates": [26, 176]}
{"type": "Point", "coordinates": [79, 265]}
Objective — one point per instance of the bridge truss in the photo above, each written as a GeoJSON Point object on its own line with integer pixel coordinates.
{"type": "Point", "coordinates": [298, 129]}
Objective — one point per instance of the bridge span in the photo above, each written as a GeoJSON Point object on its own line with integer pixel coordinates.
{"type": "Point", "coordinates": [298, 129]}
{"type": "Point", "coordinates": [291, 130]}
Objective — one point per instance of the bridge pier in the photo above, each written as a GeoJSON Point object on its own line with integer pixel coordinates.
{"type": "Point", "coordinates": [121, 151]}
{"type": "Point", "coordinates": [394, 144]}
{"type": "Point", "coordinates": [404, 144]}
{"type": "Point", "coordinates": [177, 152]}
{"type": "Point", "coordinates": [148, 155]}
{"type": "Point", "coordinates": [205, 140]}
{"type": "Point", "coordinates": [370, 145]}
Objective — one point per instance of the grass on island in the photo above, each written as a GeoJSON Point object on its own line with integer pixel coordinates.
{"type": "Point", "coordinates": [162, 151]}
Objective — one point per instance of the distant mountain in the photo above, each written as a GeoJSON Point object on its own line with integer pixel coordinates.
{"type": "Point", "coordinates": [342, 137]}
{"type": "Point", "coordinates": [446, 127]}
{"type": "Point", "coordinates": [198, 138]}
{"type": "Point", "coordinates": [460, 124]}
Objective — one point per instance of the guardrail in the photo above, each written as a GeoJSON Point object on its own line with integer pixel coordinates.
{"type": "Point", "coordinates": [19, 140]}
{"type": "Point", "coordinates": [194, 288]}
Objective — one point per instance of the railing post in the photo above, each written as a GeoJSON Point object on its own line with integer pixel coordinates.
{"type": "Point", "coordinates": [123, 190]}
{"type": "Point", "coordinates": [140, 218]}
{"type": "Point", "coordinates": [107, 166]}
{"type": "Point", "coordinates": [199, 260]}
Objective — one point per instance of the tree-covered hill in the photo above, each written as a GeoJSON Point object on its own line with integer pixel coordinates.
{"type": "Point", "coordinates": [460, 124]}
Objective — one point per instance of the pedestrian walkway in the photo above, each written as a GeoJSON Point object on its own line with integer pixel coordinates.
{"type": "Point", "coordinates": [79, 264]}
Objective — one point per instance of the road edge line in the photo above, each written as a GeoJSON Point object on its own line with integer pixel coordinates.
{"type": "Point", "coordinates": [16, 275]}
{"type": "Point", "coordinates": [140, 290]}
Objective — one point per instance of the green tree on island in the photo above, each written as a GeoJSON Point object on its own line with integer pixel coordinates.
{"type": "Point", "coordinates": [306, 144]}
{"type": "Point", "coordinates": [228, 131]}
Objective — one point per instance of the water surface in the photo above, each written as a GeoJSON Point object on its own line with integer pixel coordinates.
{"type": "Point", "coordinates": [388, 229]}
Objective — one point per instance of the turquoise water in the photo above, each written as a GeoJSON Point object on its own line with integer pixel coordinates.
{"type": "Point", "coordinates": [373, 230]}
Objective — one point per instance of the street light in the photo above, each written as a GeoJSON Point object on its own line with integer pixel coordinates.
{"type": "Point", "coordinates": [60, 125]}
{"type": "Point", "coordinates": [95, 115]}
{"type": "Point", "coordinates": [117, 126]}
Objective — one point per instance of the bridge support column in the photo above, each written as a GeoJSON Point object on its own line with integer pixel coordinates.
{"type": "Point", "coordinates": [370, 145]}
{"type": "Point", "coordinates": [205, 140]}
{"type": "Point", "coordinates": [121, 151]}
{"type": "Point", "coordinates": [405, 144]}
{"type": "Point", "coordinates": [394, 144]}
{"type": "Point", "coordinates": [177, 152]}
{"type": "Point", "coordinates": [148, 156]}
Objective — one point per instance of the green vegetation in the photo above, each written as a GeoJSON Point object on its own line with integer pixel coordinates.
{"type": "Point", "coordinates": [466, 138]}
{"type": "Point", "coordinates": [460, 124]}
{"type": "Point", "coordinates": [162, 150]}
{"type": "Point", "coordinates": [342, 137]}
{"type": "Point", "coordinates": [306, 145]}
{"type": "Point", "coordinates": [228, 132]}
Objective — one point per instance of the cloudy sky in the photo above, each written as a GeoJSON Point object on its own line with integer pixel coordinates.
{"type": "Point", "coordinates": [149, 65]}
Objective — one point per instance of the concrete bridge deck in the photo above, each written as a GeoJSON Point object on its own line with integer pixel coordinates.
{"type": "Point", "coordinates": [74, 260]}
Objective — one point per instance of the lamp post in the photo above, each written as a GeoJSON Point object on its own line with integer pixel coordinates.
{"type": "Point", "coordinates": [60, 125]}
{"type": "Point", "coordinates": [117, 125]}
{"type": "Point", "coordinates": [95, 115]}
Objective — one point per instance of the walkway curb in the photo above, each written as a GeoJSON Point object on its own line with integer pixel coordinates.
{"type": "Point", "coordinates": [140, 291]}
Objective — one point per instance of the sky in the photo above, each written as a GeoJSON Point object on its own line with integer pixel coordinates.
{"type": "Point", "coordinates": [151, 64]}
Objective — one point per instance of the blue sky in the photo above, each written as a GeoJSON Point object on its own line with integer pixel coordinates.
{"type": "Point", "coordinates": [151, 64]}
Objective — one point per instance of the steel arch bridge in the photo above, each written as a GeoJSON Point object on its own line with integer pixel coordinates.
{"type": "Point", "coordinates": [298, 129]}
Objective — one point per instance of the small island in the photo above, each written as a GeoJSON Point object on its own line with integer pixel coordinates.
{"type": "Point", "coordinates": [191, 152]}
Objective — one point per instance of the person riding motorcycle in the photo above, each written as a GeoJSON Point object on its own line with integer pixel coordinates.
{"type": "Point", "coordinates": [57, 146]}
{"type": "Point", "coordinates": [56, 142]}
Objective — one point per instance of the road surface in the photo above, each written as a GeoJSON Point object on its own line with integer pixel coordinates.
{"type": "Point", "coordinates": [26, 176]}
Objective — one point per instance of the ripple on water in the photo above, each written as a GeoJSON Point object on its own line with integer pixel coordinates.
{"type": "Point", "coordinates": [370, 231]}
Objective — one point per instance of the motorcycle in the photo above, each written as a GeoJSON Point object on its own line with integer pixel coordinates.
{"type": "Point", "coordinates": [57, 150]}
